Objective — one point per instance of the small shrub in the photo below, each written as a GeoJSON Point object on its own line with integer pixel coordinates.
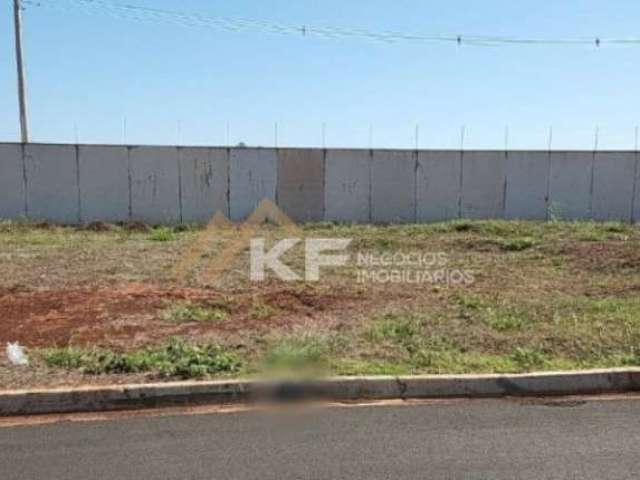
{"type": "Point", "coordinates": [464, 226]}
{"type": "Point", "coordinates": [162, 234]}
{"type": "Point", "coordinates": [615, 227]}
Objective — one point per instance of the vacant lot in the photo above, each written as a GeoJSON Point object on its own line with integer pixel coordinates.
{"type": "Point", "coordinates": [127, 303]}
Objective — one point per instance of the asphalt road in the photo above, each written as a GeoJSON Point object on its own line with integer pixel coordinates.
{"type": "Point", "coordinates": [470, 440]}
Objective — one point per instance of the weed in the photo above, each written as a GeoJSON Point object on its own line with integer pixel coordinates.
{"type": "Point", "coordinates": [503, 320]}
{"type": "Point", "coordinates": [176, 359]}
{"type": "Point", "coordinates": [68, 358]}
{"type": "Point", "coordinates": [162, 234]}
{"type": "Point", "coordinates": [469, 301]}
{"type": "Point", "coordinates": [517, 244]}
{"type": "Point", "coordinates": [528, 358]}
{"type": "Point", "coordinates": [396, 328]}
{"type": "Point", "coordinates": [615, 227]}
{"type": "Point", "coordinates": [463, 226]}
{"type": "Point", "coordinates": [187, 312]}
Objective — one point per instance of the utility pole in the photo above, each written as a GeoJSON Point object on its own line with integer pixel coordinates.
{"type": "Point", "coordinates": [22, 93]}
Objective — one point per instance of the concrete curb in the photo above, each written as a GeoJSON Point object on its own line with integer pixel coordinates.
{"type": "Point", "coordinates": [127, 397]}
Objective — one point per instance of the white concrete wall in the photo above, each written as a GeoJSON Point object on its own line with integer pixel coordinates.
{"type": "Point", "coordinates": [613, 183]}
{"type": "Point", "coordinates": [527, 185]}
{"type": "Point", "coordinates": [438, 185]}
{"type": "Point", "coordinates": [483, 184]}
{"type": "Point", "coordinates": [254, 174]}
{"type": "Point", "coordinates": [12, 194]}
{"type": "Point", "coordinates": [204, 173]}
{"type": "Point", "coordinates": [636, 191]}
{"type": "Point", "coordinates": [154, 185]}
{"type": "Point", "coordinates": [570, 185]}
{"type": "Point", "coordinates": [348, 186]}
{"type": "Point", "coordinates": [393, 198]}
{"type": "Point", "coordinates": [104, 183]}
{"type": "Point", "coordinates": [167, 185]}
{"type": "Point", "coordinates": [52, 183]}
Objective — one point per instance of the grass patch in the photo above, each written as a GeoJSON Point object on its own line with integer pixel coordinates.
{"type": "Point", "coordinates": [517, 244]}
{"type": "Point", "coordinates": [176, 359]}
{"type": "Point", "coordinates": [162, 234]}
{"type": "Point", "coordinates": [498, 316]}
{"type": "Point", "coordinates": [396, 328]}
{"type": "Point", "coordinates": [505, 319]}
{"type": "Point", "coordinates": [528, 359]}
{"type": "Point", "coordinates": [188, 312]}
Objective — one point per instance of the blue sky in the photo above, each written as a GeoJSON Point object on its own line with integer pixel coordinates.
{"type": "Point", "coordinates": [86, 73]}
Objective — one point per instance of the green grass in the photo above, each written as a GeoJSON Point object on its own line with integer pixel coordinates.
{"type": "Point", "coordinates": [162, 234]}
{"type": "Point", "coordinates": [188, 312]}
{"type": "Point", "coordinates": [517, 244]}
{"type": "Point", "coordinates": [504, 320]}
{"type": "Point", "coordinates": [176, 359]}
{"type": "Point", "coordinates": [498, 316]}
{"type": "Point", "coordinates": [528, 359]}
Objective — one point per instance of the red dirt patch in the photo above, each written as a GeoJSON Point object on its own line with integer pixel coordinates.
{"type": "Point", "coordinates": [60, 317]}
{"type": "Point", "coordinates": [128, 316]}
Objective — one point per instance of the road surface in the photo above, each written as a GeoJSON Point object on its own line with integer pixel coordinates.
{"type": "Point", "coordinates": [596, 439]}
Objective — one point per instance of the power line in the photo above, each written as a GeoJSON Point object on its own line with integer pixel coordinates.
{"type": "Point", "coordinates": [156, 15]}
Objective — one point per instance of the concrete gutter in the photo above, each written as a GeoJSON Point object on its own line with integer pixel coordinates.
{"type": "Point", "coordinates": [128, 397]}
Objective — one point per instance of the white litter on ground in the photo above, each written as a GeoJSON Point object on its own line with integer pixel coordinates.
{"type": "Point", "coordinates": [16, 354]}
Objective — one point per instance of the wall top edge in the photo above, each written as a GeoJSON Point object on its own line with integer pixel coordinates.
{"type": "Point", "coordinates": [335, 149]}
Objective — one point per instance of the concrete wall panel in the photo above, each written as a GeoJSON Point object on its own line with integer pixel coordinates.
{"type": "Point", "coordinates": [613, 177]}
{"type": "Point", "coordinates": [393, 198]}
{"type": "Point", "coordinates": [104, 183]}
{"type": "Point", "coordinates": [348, 186]}
{"type": "Point", "coordinates": [570, 185]}
{"type": "Point", "coordinates": [636, 189]}
{"type": "Point", "coordinates": [12, 195]}
{"type": "Point", "coordinates": [527, 184]}
{"type": "Point", "coordinates": [301, 184]}
{"type": "Point", "coordinates": [254, 173]}
{"type": "Point", "coordinates": [205, 183]}
{"type": "Point", "coordinates": [154, 185]}
{"type": "Point", "coordinates": [52, 183]}
{"type": "Point", "coordinates": [483, 182]}
{"type": "Point", "coordinates": [438, 187]}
